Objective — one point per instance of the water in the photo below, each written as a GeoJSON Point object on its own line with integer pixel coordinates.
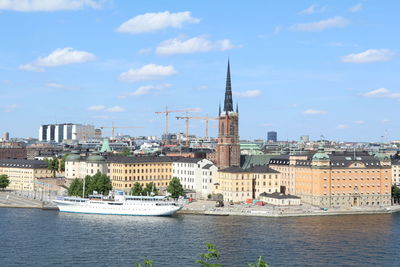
{"type": "Point", "coordinates": [49, 238]}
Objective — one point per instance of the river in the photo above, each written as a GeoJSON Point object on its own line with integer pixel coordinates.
{"type": "Point", "coordinates": [34, 237]}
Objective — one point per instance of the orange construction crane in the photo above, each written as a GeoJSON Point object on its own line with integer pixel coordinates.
{"type": "Point", "coordinates": [113, 127]}
{"type": "Point", "coordinates": [187, 118]}
{"type": "Point", "coordinates": [167, 111]}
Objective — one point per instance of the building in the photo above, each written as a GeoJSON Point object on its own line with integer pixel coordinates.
{"type": "Point", "coordinates": [338, 179]}
{"type": "Point", "coordinates": [65, 132]}
{"type": "Point", "coordinates": [305, 138]}
{"type": "Point", "coordinates": [279, 199]}
{"type": "Point", "coordinates": [238, 185]}
{"type": "Point", "coordinates": [396, 172]}
{"type": "Point", "coordinates": [196, 175]}
{"type": "Point", "coordinates": [228, 149]}
{"type": "Point", "coordinates": [272, 136]}
{"type": "Point", "coordinates": [79, 167]}
{"type": "Point", "coordinates": [12, 150]}
{"type": "Point", "coordinates": [6, 136]}
{"type": "Point", "coordinates": [23, 174]}
{"type": "Point", "coordinates": [126, 171]}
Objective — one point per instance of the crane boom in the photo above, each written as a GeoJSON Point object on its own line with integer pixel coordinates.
{"type": "Point", "coordinates": [113, 127]}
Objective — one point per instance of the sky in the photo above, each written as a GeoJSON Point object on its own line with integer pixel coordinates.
{"type": "Point", "coordinates": [298, 67]}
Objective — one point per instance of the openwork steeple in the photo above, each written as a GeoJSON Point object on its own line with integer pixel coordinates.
{"type": "Point", "coordinates": [228, 104]}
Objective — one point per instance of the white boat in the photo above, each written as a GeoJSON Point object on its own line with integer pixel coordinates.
{"type": "Point", "coordinates": [120, 204]}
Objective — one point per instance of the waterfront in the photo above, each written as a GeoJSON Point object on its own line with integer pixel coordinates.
{"type": "Point", "coordinates": [32, 237]}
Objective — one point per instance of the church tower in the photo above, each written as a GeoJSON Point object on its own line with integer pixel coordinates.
{"type": "Point", "coordinates": [228, 149]}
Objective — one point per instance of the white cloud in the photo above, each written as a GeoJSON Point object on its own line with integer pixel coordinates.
{"type": "Point", "coordinates": [10, 108]}
{"type": "Point", "coordinates": [46, 5]}
{"type": "Point", "coordinates": [96, 108]}
{"type": "Point", "coordinates": [336, 22]}
{"type": "Point", "coordinates": [277, 29]}
{"type": "Point", "coordinates": [248, 93]}
{"type": "Point", "coordinates": [382, 93]}
{"type": "Point", "coordinates": [116, 109]}
{"type": "Point", "coordinates": [356, 8]}
{"type": "Point", "coordinates": [144, 51]}
{"type": "Point", "coordinates": [180, 45]}
{"type": "Point", "coordinates": [314, 112]}
{"type": "Point", "coordinates": [369, 56]}
{"type": "Point", "coordinates": [155, 21]}
{"type": "Point", "coordinates": [147, 72]}
{"type": "Point", "coordinates": [313, 9]}
{"type": "Point", "coordinates": [359, 122]}
{"type": "Point", "coordinates": [56, 85]}
{"type": "Point", "coordinates": [145, 90]}
{"type": "Point", "coordinates": [59, 57]}
{"type": "Point", "coordinates": [385, 120]}
{"type": "Point", "coordinates": [342, 126]}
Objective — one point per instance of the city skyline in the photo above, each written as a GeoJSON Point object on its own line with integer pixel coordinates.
{"type": "Point", "coordinates": [311, 68]}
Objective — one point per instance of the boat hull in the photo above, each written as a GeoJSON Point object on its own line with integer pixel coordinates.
{"type": "Point", "coordinates": [127, 209]}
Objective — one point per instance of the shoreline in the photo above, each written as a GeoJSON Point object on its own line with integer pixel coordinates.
{"type": "Point", "coordinates": [252, 213]}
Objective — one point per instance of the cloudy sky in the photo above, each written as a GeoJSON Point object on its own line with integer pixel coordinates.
{"type": "Point", "coordinates": [298, 67]}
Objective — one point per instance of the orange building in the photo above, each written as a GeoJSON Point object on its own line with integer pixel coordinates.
{"type": "Point", "coordinates": [345, 179]}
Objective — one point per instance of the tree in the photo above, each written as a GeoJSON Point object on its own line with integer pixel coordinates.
{"type": "Point", "coordinates": [62, 162]}
{"type": "Point", "coordinates": [146, 263]}
{"type": "Point", "coordinates": [260, 263]}
{"type": "Point", "coordinates": [76, 188]}
{"type": "Point", "coordinates": [150, 188]}
{"type": "Point", "coordinates": [395, 194]}
{"type": "Point", "coordinates": [98, 182]}
{"type": "Point", "coordinates": [137, 189]}
{"type": "Point", "coordinates": [4, 181]}
{"type": "Point", "coordinates": [126, 151]}
{"type": "Point", "coordinates": [211, 255]}
{"type": "Point", "coordinates": [175, 188]}
{"type": "Point", "coordinates": [53, 165]}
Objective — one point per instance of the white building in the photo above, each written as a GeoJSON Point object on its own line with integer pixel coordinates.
{"type": "Point", "coordinates": [396, 173]}
{"type": "Point", "coordinates": [79, 167]}
{"type": "Point", "coordinates": [66, 132]}
{"type": "Point", "coordinates": [196, 175]}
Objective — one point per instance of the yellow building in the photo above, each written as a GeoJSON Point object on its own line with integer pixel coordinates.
{"type": "Point", "coordinates": [23, 173]}
{"type": "Point", "coordinates": [238, 185]}
{"type": "Point", "coordinates": [343, 179]}
{"type": "Point", "coordinates": [124, 172]}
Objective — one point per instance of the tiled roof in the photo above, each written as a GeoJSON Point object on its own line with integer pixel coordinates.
{"type": "Point", "coordinates": [23, 163]}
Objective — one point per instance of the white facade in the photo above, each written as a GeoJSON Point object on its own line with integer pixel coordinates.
{"type": "Point", "coordinates": [196, 175]}
{"type": "Point", "coordinates": [66, 132]}
{"type": "Point", "coordinates": [81, 168]}
{"type": "Point", "coordinates": [396, 173]}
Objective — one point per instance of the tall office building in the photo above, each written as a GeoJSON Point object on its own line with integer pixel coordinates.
{"type": "Point", "coordinates": [59, 133]}
{"type": "Point", "coordinates": [272, 136]}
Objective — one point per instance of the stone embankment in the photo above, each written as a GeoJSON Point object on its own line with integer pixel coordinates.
{"type": "Point", "coordinates": [208, 208]}
{"type": "Point", "coordinates": [9, 199]}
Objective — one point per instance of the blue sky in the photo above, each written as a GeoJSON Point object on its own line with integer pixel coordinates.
{"type": "Point", "coordinates": [298, 67]}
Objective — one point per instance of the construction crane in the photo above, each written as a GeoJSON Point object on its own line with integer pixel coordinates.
{"type": "Point", "coordinates": [167, 111]}
{"type": "Point", "coordinates": [113, 127]}
{"type": "Point", "coordinates": [187, 118]}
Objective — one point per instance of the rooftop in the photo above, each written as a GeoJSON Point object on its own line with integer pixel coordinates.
{"type": "Point", "coordinates": [23, 163]}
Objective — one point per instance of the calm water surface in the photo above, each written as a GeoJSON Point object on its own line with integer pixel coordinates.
{"type": "Point", "coordinates": [49, 238]}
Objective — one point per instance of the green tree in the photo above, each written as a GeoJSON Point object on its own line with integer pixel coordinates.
{"type": "Point", "coordinates": [126, 151]}
{"type": "Point", "coordinates": [62, 163]}
{"type": "Point", "coordinates": [76, 188]}
{"type": "Point", "coordinates": [260, 263]}
{"type": "Point", "coordinates": [150, 188]}
{"type": "Point", "coordinates": [4, 181]}
{"type": "Point", "coordinates": [100, 183]}
{"type": "Point", "coordinates": [53, 165]}
{"type": "Point", "coordinates": [146, 263]}
{"type": "Point", "coordinates": [175, 188]}
{"type": "Point", "coordinates": [137, 189]}
{"type": "Point", "coordinates": [212, 255]}
{"type": "Point", "coordinates": [395, 194]}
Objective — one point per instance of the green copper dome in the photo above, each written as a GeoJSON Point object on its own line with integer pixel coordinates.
{"type": "Point", "coordinates": [320, 155]}
{"type": "Point", "coordinates": [381, 155]}
{"type": "Point", "coordinates": [105, 147]}
{"type": "Point", "coordinates": [95, 158]}
{"type": "Point", "coordinates": [73, 156]}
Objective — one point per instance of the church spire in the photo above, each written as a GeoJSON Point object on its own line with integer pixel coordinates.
{"type": "Point", "coordinates": [228, 105]}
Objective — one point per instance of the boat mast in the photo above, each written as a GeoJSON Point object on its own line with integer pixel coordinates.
{"type": "Point", "coordinates": [84, 183]}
